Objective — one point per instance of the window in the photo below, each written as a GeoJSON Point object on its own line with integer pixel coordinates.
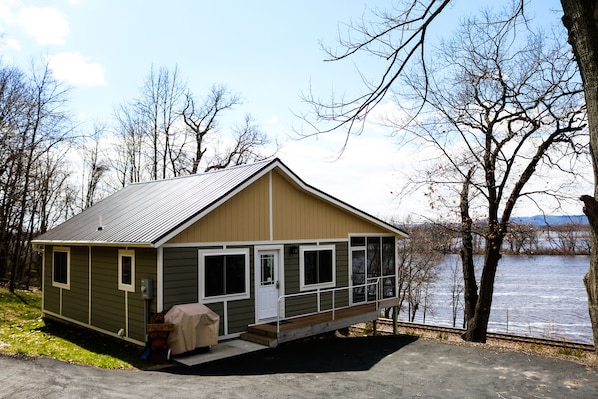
{"type": "Point", "coordinates": [372, 258]}
{"type": "Point", "coordinates": [225, 274]}
{"type": "Point", "coordinates": [317, 267]}
{"type": "Point", "coordinates": [267, 265]}
{"type": "Point", "coordinates": [126, 270]}
{"type": "Point", "coordinates": [61, 268]}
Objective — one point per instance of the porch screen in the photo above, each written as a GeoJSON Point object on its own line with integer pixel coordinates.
{"type": "Point", "coordinates": [373, 259]}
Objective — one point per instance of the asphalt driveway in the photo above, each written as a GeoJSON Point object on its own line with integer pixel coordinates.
{"type": "Point", "coordinates": [369, 367]}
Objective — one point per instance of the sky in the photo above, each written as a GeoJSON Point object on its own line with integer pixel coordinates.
{"type": "Point", "coordinates": [268, 52]}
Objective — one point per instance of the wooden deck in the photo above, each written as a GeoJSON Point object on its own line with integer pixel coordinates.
{"type": "Point", "coordinates": [307, 326]}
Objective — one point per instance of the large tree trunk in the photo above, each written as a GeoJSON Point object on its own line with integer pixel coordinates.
{"type": "Point", "coordinates": [470, 287]}
{"type": "Point", "coordinates": [591, 279]}
{"type": "Point", "coordinates": [477, 327]}
{"type": "Point", "coordinates": [478, 303]}
{"type": "Point", "coordinates": [581, 20]}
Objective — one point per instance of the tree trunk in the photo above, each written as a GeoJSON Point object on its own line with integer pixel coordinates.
{"type": "Point", "coordinates": [581, 20]}
{"type": "Point", "coordinates": [477, 326]}
{"type": "Point", "coordinates": [470, 287]}
{"type": "Point", "coordinates": [591, 279]}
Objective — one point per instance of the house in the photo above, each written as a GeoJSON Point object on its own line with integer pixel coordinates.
{"type": "Point", "coordinates": [254, 243]}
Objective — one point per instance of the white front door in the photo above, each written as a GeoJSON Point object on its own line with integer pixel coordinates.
{"type": "Point", "coordinates": [267, 284]}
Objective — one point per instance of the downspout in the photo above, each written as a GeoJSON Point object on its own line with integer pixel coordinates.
{"type": "Point", "coordinates": [160, 280]}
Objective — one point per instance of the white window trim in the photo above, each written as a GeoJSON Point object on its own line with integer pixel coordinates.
{"type": "Point", "coordinates": [121, 286]}
{"type": "Point", "coordinates": [201, 276]}
{"type": "Point", "coordinates": [309, 287]}
{"type": "Point", "coordinates": [68, 268]}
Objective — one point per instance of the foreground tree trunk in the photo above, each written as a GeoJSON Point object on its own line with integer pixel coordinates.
{"type": "Point", "coordinates": [477, 326]}
{"type": "Point", "coordinates": [591, 278]}
{"type": "Point", "coordinates": [581, 20]}
{"type": "Point", "coordinates": [470, 287]}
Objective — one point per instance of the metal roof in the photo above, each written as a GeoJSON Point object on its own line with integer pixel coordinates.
{"type": "Point", "coordinates": [148, 213]}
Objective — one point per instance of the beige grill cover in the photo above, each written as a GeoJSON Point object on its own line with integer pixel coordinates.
{"type": "Point", "coordinates": [195, 326]}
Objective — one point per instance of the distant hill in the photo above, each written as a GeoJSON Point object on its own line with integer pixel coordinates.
{"type": "Point", "coordinates": [551, 220]}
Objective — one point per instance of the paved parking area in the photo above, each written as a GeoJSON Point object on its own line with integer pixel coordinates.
{"type": "Point", "coordinates": [372, 367]}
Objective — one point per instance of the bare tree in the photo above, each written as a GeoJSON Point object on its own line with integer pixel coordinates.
{"type": "Point", "coordinates": [34, 127]}
{"type": "Point", "coordinates": [399, 37]}
{"type": "Point", "coordinates": [166, 132]}
{"type": "Point", "coordinates": [96, 166]}
{"type": "Point", "coordinates": [581, 20]}
{"type": "Point", "coordinates": [456, 287]}
{"type": "Point", "coordinates": [567, 238]}
{"type": "Point", "coordinates": [13, 102]}
{"type": "Point", "coordinates": [498, 109]}
{"type": "Point", "coordinates": [161, 99]}
{"type": "Point", "coordinates": [202, 120]}
{"type": "Point", "coordinates": [247, 145]}
{"type": "Point", "coordinates": [127, 160]}
{"type": "Point", "coordinates": [418, 261]}
{"type": "Point", "coordinates": [522, 237]}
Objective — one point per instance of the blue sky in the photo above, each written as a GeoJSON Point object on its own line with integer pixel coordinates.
{"type": "Point", "coordinates": [266, 51]}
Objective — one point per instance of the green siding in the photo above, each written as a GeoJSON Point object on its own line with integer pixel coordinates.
{"type": "Point", "coordinates": [75, 301]}
{"type": "Point", "coordinates": [51, 294]}
{"type": "Point", "coordinates": [145, 267]}
{"type": "Point", "coordinates": [341, 298]}
{"type": "Point", "coordinates": [308, 303]}
{"type": "Point", "coordinates": [291, 271]}
{"type": "Point", "coordinates": [181, 266]}
{"type": "Point", "coordinates": [301, 305]}
{"type": "Point", "coordinates": [107, 302]}
{"type": "Point", "coordinates": [218, 308]}
{"type": "Point", "coordinates": [240, 315]}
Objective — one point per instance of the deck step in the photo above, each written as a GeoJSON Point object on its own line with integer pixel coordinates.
{"type": "Point", "coordinates": [267, 330]}
{"type": "Point", "coordinates": [261, 339]}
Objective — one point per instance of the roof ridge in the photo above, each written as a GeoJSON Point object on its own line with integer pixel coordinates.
{"type": "Point", "coordinates": [213, 171]}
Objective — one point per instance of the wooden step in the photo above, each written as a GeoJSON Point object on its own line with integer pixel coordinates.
{"type": "Point", "coordinates": [266, 330]}
{"type": "Point", "coordinates": [259, 339]}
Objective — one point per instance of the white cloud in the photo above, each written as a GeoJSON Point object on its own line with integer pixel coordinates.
{"type": "Point", "coordinates": [13, 43]}
{"type": "Point", "coordinates": [47, 25]}
{"type": "Point", "coordinates": [77, 69]}
{"type": "Point", "coordinates": [364, 176]}
{"type": "Point", "coordinates": [5, 13]}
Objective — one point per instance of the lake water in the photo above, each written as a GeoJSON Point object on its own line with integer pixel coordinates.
{"type": "Point", "coordinates": [538, 296]}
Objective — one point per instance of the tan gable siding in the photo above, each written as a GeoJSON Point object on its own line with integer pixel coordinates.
{"type": "Point", "coordinates": [245, 217]}
{"type": "Point", "coordinates": [298, 215]}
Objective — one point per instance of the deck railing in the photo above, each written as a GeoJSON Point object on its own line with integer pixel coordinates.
{"type": "Point", "coordinates": [371, 293]}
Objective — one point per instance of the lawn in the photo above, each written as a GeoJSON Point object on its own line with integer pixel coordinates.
{"type": "Point", "coordinates": [24, 332]}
